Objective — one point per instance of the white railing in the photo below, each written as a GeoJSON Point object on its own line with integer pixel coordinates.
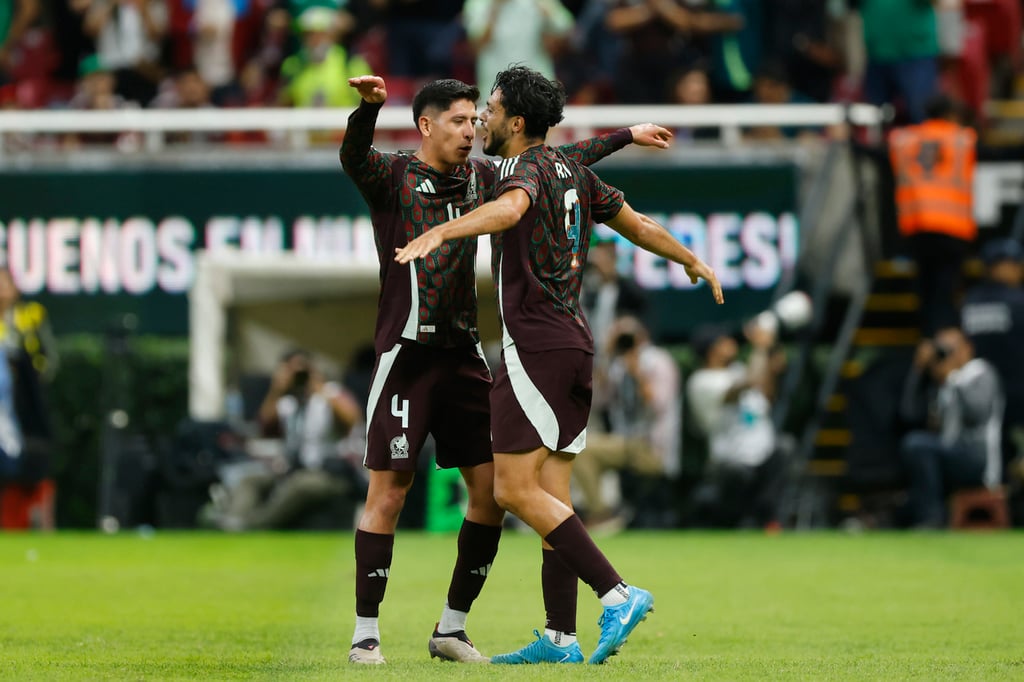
{"type": "Point", "coordinates": [154, 123]}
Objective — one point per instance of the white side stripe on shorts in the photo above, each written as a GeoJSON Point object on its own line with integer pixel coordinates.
{"type": "Point", "coordinates": [531, 400]}
{"type": "Point", "coordinates": [387, 361]}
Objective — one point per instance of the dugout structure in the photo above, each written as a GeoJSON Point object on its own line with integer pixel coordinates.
{"type": "Point", "coordinates": [246, 309]}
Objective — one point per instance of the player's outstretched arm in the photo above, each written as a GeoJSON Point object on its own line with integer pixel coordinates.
{"type": "Point", "coordinates": [368, 168]}
{"type": "Point", "coordinates": [593, 149]}
{"type": "Point", "coordinates": [494, 216]}
{"type": "Point", "coordinates": [651, 135]}
{"type": "Point", "coordinates": [650, 235]}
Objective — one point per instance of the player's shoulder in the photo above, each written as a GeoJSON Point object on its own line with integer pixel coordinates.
{"type": "Point", "coordinates": [511, 166]}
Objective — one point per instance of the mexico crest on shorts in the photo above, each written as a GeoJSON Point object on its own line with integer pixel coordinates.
{"type": "Point", "coordinates": [400, 447]}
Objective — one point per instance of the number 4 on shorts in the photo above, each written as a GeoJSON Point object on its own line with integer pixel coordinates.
{"type": "Point", "coordinates": [400, 409]}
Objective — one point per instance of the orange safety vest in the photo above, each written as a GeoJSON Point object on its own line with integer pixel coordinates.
{"type": "Point", "coordinates": [934, 167]}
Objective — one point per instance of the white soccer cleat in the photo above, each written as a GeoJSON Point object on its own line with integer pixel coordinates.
{"type": "Point", "coordinates": [366, 652]}
{"type": "Point", "coordinates": [456, 647]}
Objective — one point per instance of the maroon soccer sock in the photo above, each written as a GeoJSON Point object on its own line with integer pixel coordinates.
{"type": "Point", "coordinates": [373, 564]}
{"type": "Point", "coordinates": [560, 584]}
{"type": "Point", "coordinates": [478, 545]}
{"type": "Point", "coordinates": [578, 551]}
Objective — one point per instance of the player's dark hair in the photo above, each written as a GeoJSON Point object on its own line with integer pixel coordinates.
{"type": "Point", "coordinates": [441, 94]}
{"type": "Point", "coordinates": [528, 93]}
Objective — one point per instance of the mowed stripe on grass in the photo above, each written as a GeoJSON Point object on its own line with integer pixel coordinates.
{"type": "Point", "coordinates": [733, 606]}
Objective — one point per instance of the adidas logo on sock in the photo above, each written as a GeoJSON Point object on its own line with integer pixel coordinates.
{"type": "Point", "coordinates": [379, 573]}
{"type": "Point", "coordinates": [482, 571]}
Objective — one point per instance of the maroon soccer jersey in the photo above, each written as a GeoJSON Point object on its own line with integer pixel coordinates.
{"type": "Point", "coordinates": [431, 300]}
{"type": "Point", "coordinates": [538, 264]}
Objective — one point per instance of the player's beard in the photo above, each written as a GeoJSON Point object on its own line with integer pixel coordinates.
{"type": "Point", "coordinates": [495, 141]}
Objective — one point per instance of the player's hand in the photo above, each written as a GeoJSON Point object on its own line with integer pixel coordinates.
{"type": "Point", "coordinates": [419, 247]}
{"type": "Point", "coordinates": [370, 88]}
{"type": "Point", "coordinates": [650, 135]}
{"type": "Point", "coordinates": [701, 270]}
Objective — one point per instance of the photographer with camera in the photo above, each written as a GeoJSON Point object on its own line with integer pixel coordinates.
{"type": "Point", "coordinates": [310, 416]}
{"type": "Point", "coordinates": [960, 445]}
{"type": "Point", "coordinates": [730, 401]}
{"type": "Point", "coordinates": [640, 395]}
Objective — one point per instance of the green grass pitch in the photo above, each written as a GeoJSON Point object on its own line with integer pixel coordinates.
{"type": "Point", "coordinates": [180, 606]}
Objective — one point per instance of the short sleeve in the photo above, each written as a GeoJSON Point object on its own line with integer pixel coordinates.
{"type": "Point", "coordinates": [516, 173]}
{"type": "Point", "coordinates": [605, 201]}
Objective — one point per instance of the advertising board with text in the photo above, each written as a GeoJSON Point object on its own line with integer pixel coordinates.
{"type": "Point", "coordinates": [92, 246]}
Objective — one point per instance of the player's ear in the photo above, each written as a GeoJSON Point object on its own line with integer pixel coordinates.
{"type": "Point", "coordinates": [424, 124]}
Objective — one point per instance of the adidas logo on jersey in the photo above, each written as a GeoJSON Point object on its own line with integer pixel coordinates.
{"type": "Point", "coordinates": [507, 167]}
{"type": "Point", "coordinates": [426, 187]}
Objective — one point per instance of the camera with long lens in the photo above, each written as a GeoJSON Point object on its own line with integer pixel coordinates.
{"type": "Point", "coordinates": [625, 342]}
{"type": "Point", "coordinates": [300, 380]}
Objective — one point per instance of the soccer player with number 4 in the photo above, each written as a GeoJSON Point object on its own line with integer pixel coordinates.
{"type": "Point", "coordinates": [430, 376]}
{"type": "Point", "coordinates": [540, 222]}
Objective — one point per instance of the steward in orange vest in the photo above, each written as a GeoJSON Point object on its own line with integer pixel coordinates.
{"type": "Point", "coordinates": [933, 167]}
{"type": "Point", "coordinates": [933, 163]}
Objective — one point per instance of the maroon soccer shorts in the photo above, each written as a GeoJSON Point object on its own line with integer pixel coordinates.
{"type": "Point", "coordinates": [541, 399]}
{"type": "Point", "coordinates": [419, 389]}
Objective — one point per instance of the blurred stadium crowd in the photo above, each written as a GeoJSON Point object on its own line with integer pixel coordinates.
{"type": "Point", "coordinates": [110, 54]}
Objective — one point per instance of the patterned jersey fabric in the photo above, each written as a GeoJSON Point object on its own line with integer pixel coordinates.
{"type": "Point", "coordinates": [538, 264]}
{"type": "Point", "coordinates": [432, 300]}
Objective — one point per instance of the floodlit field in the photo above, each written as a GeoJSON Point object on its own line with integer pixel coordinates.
{"type": "Point", "coordinates": [729, 606]}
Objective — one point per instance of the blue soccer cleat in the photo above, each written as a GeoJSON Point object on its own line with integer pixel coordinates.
{"type": "Point", "coordinates": [618, 621]}
{"type": "Point", "coordinates": [542, 650]}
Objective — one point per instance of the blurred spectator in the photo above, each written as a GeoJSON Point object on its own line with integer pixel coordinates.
{"type": "Point", "coordinates": [803, 35]}
{"type": "Point", "coordinates": [26, 325]}
{"type": "Point", "coordinates": [588, 67]}
{"type": "Point", "coordinates": [16, 16]}
{"type": "Point", "coordinates": [28, 358]}
{"type": "Point", "coordinates": [993, 319]}
{"type": "Point", "coordinates": [933, 164]}
{"type": "Point", "coordinates": [962, 447]}
{"type": "Point", "coordinates": [213, 30]}
{"type": "Point", "coordinates": [735, 55]}
{"type": "Point", "coordinates": [97, 87]}
{"type": "Point", "coordinates": [68, 25]}
{"type": "Point", "coordinates": [645, 413]}
{"type": "Point", "coordinates": [772, 87]}
{"type": "Point", "coordinates": [658, 39]}
{"type": "Point", "coordinates": [96, 90]}
{"type": "Point", "coordinates": [422, 36]}
{"type": "Point", "coordinates": [255, 87]}
{"type": "Point", "coordinates": [692, 87]}
{"type": "Point", "coordinates": [311, 416]}
{"type": "Point", "coordinates": [607, 295]}
{"type": "Point", "coordinates": [503, 32]}
{"type": "Point", "coordinates": [186, 90]}
{"type": "Point", "coordinates": [128, 35]}
{"type": "Point", "coordinates": [317, 75]}
{"type": "Point", "coordinates": [730, 402]}
{"type": "Point", "coordinates": [901, 39]}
